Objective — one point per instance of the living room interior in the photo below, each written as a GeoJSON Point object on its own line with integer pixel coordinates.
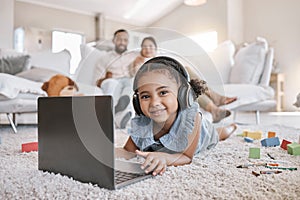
{"type": "Point", "coordinates": [212, 23]}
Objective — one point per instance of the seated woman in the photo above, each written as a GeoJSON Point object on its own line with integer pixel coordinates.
{"type": "Point", "coordinates": [209, 101]}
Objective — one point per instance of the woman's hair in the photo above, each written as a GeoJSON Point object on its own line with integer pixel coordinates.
{"type": "Point", "coordinates": [174, 70]}
{"type": "Point", "coordinates": [151, 39]}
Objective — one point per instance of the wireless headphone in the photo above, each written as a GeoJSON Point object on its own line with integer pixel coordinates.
{"type": "Point", "coordinates": [186, 94]}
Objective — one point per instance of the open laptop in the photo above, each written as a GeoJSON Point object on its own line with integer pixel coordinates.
{"type": "Point", "coordinates": [76, 138]}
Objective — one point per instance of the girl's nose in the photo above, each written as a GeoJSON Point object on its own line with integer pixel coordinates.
{"type": "Point", "coordinates": [155, 100]}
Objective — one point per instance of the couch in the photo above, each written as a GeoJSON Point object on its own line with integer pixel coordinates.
{"type": "Point", "coordinates": [246, 73]}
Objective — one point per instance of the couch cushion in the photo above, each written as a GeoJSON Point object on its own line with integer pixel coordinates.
{"type": "Point", "coordinates": [222, 58]}
{"type": "Point", "coordinates": [13, 65]}
{"type": "Point", "coordinates": [90, 56]}
{"type": "Point", "coordinates": [249, 63]}
{"type": "Point", "coordinates": [37, 74]}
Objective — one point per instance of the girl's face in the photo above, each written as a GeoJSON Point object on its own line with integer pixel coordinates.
{"type": "Point", "coordinates": [158, 96]}
{"type": "Point", "coordinates": [148, 49]}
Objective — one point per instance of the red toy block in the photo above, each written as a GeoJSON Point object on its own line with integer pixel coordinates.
{"type": "Point", "coordinates": [31, 146]}
{"type": "Point", "coordinates": [271, 134]}
{"type": "Point", "coordinates": [284, 144]}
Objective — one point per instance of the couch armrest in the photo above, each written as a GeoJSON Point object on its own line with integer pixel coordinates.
{"type": "Point", "coordinates": [266, 75]}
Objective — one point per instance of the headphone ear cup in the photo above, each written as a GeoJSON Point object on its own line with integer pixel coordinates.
{"type": "Point", "coordinates": [186, 96]}
{"type": "Point", "coordinates": [136, 104]}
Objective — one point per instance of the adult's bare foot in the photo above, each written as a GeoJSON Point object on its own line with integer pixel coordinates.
{"type": "Point", "coordinates": [228, 100]}
{"type": "Point", "coordinates": [226, 131]}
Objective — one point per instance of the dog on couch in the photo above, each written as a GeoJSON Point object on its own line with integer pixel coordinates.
{"type": "Point", "coordinates": [60, 85]}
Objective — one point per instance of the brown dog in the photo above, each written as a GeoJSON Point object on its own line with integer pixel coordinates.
{"type": "Point", "coordinates": [60, 85]}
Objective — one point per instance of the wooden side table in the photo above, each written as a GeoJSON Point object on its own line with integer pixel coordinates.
{"type": "Point", "coordinates": [277, 82]}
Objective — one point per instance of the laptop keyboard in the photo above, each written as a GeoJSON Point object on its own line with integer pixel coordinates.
{"type": "Point", "coordinates": [121, 177]}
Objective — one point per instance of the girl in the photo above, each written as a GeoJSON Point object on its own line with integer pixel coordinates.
{"type": "Point", "coordinates": [210, 101]}
{"type": "Point", "coordinates": [169, 128]}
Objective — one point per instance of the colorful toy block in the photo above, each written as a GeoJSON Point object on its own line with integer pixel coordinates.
{"type": "Point", "coordinates": [294, 149]}
{"type": "Point", "coordinates": [254, 152]}
{"type": "Point", "coordinates": [271, 134]}
{"type": "Point", "coordinates": [248, 139]}
{"type": "Point", "coordinates": [31, 146]}
{"type": "Point", "coordinates": [253, 134]}
{"type": "Point", "coordinates": [284, 144]}
{"type": "Point", "coordinates": [270, 142]}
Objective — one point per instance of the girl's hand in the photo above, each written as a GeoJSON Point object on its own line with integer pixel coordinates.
{"type": "Point", "coordinates": [155, 161]}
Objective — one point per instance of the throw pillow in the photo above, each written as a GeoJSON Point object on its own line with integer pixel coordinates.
{"type": "Point", "coordinates": [222, 58]}
{"type": "Point", "coordinates": [249, 63]}
{"type": "Point", "coordinates": [13, 65]}
{"type": "Point", "coordinates": [37, 74]}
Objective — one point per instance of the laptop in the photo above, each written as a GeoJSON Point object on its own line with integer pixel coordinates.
{"type": "Point", "coordinates": [76, 138]}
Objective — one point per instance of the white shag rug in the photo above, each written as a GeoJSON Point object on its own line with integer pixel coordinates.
{"type": "Point", "coordinates": [213, 175]}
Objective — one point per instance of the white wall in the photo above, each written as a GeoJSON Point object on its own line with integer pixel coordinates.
{"type": "Point", "coordinates": [31, 15]}
{"type": "Point", "coordinates": [235, 21]}
{"type": "Point", "coordinates": [191, 20]}
{"type": "Point", "coordinates": [279, 22]}
{"type": "Point", "coordinates": [6, 23]}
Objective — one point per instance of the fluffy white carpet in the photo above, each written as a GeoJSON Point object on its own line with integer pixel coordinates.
{"type": "Point", "coordinates": [212, 175]}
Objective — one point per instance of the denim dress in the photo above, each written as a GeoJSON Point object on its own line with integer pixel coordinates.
{"type": "Point", "coordinates": [176, 141]}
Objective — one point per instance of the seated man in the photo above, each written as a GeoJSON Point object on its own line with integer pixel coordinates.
{"type": "Point", "coordinates": [113, 76]}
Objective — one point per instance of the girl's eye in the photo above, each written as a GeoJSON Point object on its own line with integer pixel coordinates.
{"type": "Point", "coordinates": [164, 92]}
{"type": "Point", "coordinates": [145, 96]}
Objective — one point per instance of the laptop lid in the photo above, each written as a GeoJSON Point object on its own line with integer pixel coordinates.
{"type": "Point", "coordinates": [75, 136]}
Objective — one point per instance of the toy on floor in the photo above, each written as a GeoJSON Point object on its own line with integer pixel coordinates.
{"type": "Point", "coordinates": [254, 152]}
{"type": "Point", "coordinates": [253, 134]}
{"type": "Point", "coordinates": [293, 149]}
{"type": "Point", "coordinates": [270, 142]}
{"type": "Point", "coordinates": [284, 144]}
{"type": "Point", "coordinates": [31, 146]}
{"type": "Point", "coordinates": [248, 139]}
{"type": "Point", "coordinates": [271, 134]}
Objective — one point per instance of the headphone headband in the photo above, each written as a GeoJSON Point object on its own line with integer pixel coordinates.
{"type": "Point", "coordinates": [160, 61]}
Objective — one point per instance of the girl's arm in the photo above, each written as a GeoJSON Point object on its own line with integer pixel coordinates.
{"type": "Point", "coordinates": [128, 151]}
{"type": "Point", "coordinates": [158, 161]}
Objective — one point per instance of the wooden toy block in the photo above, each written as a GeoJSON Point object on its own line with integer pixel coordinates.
{"type": "Point", "coordinates": [31, 146]}
{"type": "Point", "coordinates": [248, 139]}
{"type": "Point", "coordinates": [271, 134]}
{"type": "Point", "coordinates": [253, 134]}
{"type": "Point", "coordinates": [270, 142]}
{"type": "Point", "coordinates": [254, 152]}
{"type": "Point", "coordinates": [284, 144]}
{"type": "Point", "coordinates": [294, 149]}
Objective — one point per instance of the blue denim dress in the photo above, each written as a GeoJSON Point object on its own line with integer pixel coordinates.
{"type": "Point", "coordinates": [176, 141]}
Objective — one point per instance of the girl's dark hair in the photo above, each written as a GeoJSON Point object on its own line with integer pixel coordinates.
{"type": "Point", "coordinates": [176, 71]}
{"type": "Point", "coordinates": [151, 39]}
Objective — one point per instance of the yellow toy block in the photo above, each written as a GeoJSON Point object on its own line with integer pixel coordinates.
{"type": "Point", "coordinates": [271, 134]}
{"type": "Point", "coordinates": [253, 134]}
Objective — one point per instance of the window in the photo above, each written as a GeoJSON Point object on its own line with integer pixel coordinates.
{"type": "Point", "coordinates": [71, 42]}
{"type": "Point", "coordinates": [208, 40]}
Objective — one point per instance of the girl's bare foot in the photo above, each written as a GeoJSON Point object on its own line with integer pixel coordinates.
{"type": "Point", "coordinates": [226, 131]}
{"type": "Point", "coordinates": [218, 114]}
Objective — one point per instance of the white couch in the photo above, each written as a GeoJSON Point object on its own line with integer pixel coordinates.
{"type": "Point", "coordinates": [246, 74]}
{"type": "Point", "coordinates": [19, 92]}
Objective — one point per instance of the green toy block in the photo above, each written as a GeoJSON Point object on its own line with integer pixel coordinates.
{"type": "Point", "coordinates": [254, 152]}
{"type": "Point", "coordinates": [293, 149]}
